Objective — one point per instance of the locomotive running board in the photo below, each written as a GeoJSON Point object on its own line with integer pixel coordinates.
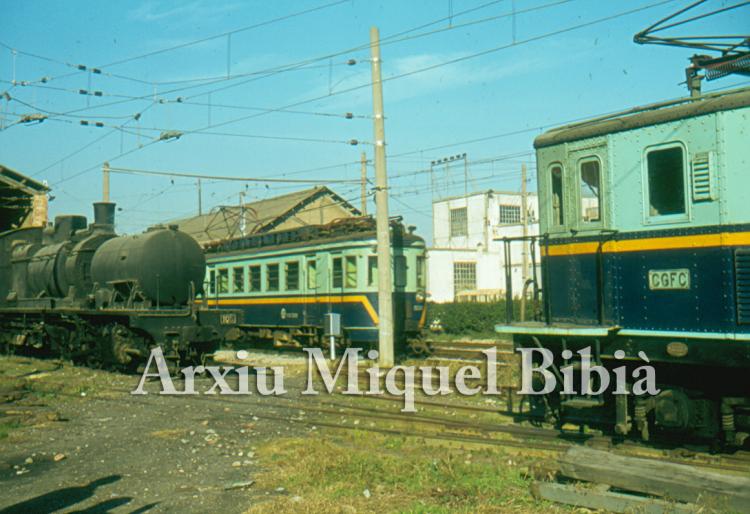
{"type": "Point", "coordinates": [557, 330]}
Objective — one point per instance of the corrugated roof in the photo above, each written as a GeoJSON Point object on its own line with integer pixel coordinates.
{"type": "Point", "coordinates": [16, 196]}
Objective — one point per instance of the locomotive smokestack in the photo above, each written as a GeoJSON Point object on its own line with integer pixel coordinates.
{"type": "Point", "coordinates": [104, 214]}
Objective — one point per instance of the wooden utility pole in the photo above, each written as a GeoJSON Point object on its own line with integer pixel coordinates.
{"type": "Point", "coordinates": [200, 199]}
{"type": "Point", "coordinates": [525, 251]}
{"type": "Point", "coordinates": [105, 182]}
{"type": "Point", "coordinates": [364, 183]}
{"type": "Point", "coordinates": [385, 282]}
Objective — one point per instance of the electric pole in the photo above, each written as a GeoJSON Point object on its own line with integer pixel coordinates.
{"type": "Point", "coordinates": [200, 199]}
{"type": "Point", "coordinates": [525, 251]}
{"type": "Point", "coordinates": [364, 183]}
{"type": "Point", "coordinates": [385, 282]}
{"type": "Point", "coordinates": [105, 182]}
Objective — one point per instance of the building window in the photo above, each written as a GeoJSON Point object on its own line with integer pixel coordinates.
{"type": "Point", "coordinates": [212, 282]}
{"type": "Point", "coordinates": [464, 276]}
{"type": "Point", "coordinates": [510, 214]}
{"type": "Point", "coordinates": [337, 274]}
{"type": "Point", "coordinates": [372, 270]}
{"type": "Point", "coordinates": [590, 190]}
{"type": "Point", "coordinates": [272, 277]}
{"type": "Point", "coordinates": [312, 273]}
{"type": "Point", "coordinates": [420, 272]}
{"type": "Point", "coordinates": [666, 182]}
{"type": "Point", "coordinates": [459, 222]}
{"type": "Point", "coordinates": [223, 282]}
{"type": "Point", "coordinates": [558, 207]}
{"type": "Point", "coordinates": [238, 280]}
{"type": "Point", "coordinates": [291, 270]}
{"type": "Point", "coordinates": [254, 278]}
{"type": "Point", "coordinates": [351, 271]}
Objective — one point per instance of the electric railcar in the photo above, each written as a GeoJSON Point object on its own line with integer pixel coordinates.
{"type": "Point", "coordinates": [286, 282]}
{"type": "Point", "coordinates": [645, 217]}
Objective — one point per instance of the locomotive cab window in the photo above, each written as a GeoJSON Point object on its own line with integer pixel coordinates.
{"type": "Point", "coordinates": [291, 270]}
{"type": "Point", "coordinates": [238, 280]}
{"type": "Point", "coordinates": [254, 278]}
{"type": "Point", "coordinates": [666, 181]}
{"type": "Point", "coordinates": [212, 282]}
{"type": "Point", "coordinates": [558, 205]}
{"type": "Point", "coordinates": [337, 273]}
{"type": "Point", "coordinates": [272, 277]}
{"type": "Point", "coordinates": [372, 270]}
{"type": "Point", "coordinates": [312, 273]}
{"type": "Point", "coordinates": [399, 270]}
{"type": "Point", "coordinates": [420, 272]}
{"type": "Point", "coordinates": [351, 271]}
{"type": "Point", "coordinates": [590, 190]}
{"type": "Point", "coordinates": [223, 281]}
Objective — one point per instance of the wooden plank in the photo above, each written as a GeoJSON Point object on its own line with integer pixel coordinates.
{"type": "Point", "coordinates": [675, 481]}
{"type": "Point", "coordinates": [570, 494]}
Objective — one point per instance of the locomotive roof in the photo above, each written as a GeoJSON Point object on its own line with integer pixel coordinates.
{"type": "Point", "coordinates": [646, 115]}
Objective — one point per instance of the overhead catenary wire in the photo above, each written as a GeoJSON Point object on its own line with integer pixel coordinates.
{"type": "Point", "coordinates": [134, 171]}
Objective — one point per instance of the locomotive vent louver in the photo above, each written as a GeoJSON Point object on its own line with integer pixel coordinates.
{"type": "Point", "coordinates": [701, 177]}
{"type": "Point", "coordinates": [742, 284]}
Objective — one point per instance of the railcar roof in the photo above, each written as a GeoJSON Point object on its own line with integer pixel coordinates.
{"type": "Point", "coordinates": [646, 115]}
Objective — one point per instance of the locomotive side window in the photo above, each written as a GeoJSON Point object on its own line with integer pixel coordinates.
{"type": "Point", "coordinates": [254, 278]}
{"type": "Point", "coordinates": [212, 282]}
{"type": "Point", "coordinates": [666, 181]}
{"type": "Point", "coordinates": [238, 280]}
{"type": "Point", "coordinates": [420, 272]}
{"type": "Point", "coordinates": [590, 180]}
{"type": "Point", "coordinates": [312, 273]}
{"type": "Point", "coordinates": [558, 207]}
{"type": "Point", "coordinates": [337, 275]}
{"type": "Point", "coordinates": [351, 271]}
{"type": "Point", "coordinates": [291, 270]}
{"type": "Point", "coordinates": [372, 270]}
{"type": "Point", "coordinates": [223, 281]}
{"type": "Point", "coordinates": [272, 277]}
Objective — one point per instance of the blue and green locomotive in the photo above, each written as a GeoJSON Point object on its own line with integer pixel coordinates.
{"type": "Point", "coordinates": [287, 281]}
{"type": "Point", "coordinates": [645, 217]}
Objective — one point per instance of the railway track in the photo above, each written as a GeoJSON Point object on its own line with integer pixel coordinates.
{"type": "Point", "coordinates": [468, 350]}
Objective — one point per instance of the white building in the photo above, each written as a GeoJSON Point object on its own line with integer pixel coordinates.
{"type": "Point", "coordinates": [466, 262]}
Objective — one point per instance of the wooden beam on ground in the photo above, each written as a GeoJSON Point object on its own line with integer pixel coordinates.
{"type": "Point", "coordinates": [675, 481]}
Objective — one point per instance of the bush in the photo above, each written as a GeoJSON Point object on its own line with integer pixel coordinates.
{"type": "Point", "coordinates": [468, 317]}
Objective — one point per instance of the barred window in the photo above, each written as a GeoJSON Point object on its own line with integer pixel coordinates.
{"type": "Point", "coordinates": [238, 280]}
{"type": "Point", "coordinates": [272, 277]}
{"type": "Point", "coordinates": [459, 222]}
{"type": "Point", "coordinates": [223, 282]}
{"type": "Point", "coordinates": [337, 273]}
{"type": "Point", "coordinates": [510, 214]}
{"type": "Point", "coordinates": [254, 278]}
{"type": "Point", "coordinates": [291, 270]}
{"type": "Point", "coordinates": [464, 276]}
{"type": "Point", "coordinates": [351, 271]}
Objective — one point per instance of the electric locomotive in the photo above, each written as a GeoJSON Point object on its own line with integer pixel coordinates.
{"type": "Point", "coordinates": [80, 291]}
{"type": "Point", "coordinates": [287, 282]}
{"type": "Point", "coordinates": [645, 255]}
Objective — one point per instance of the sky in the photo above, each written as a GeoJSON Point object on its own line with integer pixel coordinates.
{"type": "Point", "coordinates": [260, 89]}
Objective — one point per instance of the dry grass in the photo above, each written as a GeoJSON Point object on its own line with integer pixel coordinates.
{"type": "Point", "coordinates": [337, 475]}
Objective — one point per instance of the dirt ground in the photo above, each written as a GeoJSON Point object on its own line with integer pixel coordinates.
{"type": "Point", "coordinates": [75, 440]}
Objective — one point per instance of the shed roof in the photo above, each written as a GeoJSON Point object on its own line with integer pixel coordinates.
{"type": "Point", "coordinates": [16, 196]}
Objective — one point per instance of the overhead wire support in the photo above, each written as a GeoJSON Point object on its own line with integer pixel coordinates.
{"type": "Point", "coordinates": [134, 171]}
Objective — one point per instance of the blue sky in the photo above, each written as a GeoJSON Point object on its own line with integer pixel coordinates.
{"type": "Point", "coordinates": [430, 114]}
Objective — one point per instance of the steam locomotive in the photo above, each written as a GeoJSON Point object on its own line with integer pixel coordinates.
{"type": "Point", "coordinates": [80, 291]}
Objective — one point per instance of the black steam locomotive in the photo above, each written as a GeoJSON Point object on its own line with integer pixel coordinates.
{"type": "Point", "coordinates": [81, 292]}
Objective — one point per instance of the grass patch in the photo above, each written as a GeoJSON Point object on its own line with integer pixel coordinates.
{"type": "Point", "coordinates": [7, 426]}
{"type": "Point", "coordinates": [398, 475]}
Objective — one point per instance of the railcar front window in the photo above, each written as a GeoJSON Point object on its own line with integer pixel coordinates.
{"type": "Point", "coordinates": [337, 275]}
{"type": "Point", "coordinates": [223, 282]}
{"type": "Point", "coordinates": [272, 277]}
{"type": "Point", "coordinates": [372, 270]}
{"type": "Point", "coordinates": [312, 273]}
{"type": "Point", "coordinates": [399, 268]}
{"type": "Point", "coordinates": [420, 272]}
{"type": "Point", "coordinates": [666, 182]}
{"type": "Point", "coordinates": [254, 278]}
{"type": "Point", "coordinates": [351, 271]}
{"type": "Point", "coordinates": [590, 191]}
{"type": "Point", "coordinates": [238, 279]}
{"type": "Point", "coordinates": [558, 207]}
{"type": "Point", "coordinates": [292, 275]}
{"type": "Point", "coordinates": [212, 282]}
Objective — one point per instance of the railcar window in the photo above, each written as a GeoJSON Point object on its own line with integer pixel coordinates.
{"type": "Point", "coordinates": [666, 181]}
{"type": "Point", "coordinates": [212, 282]}
{"type": "Point", "coordinates": [223, 282]}
{"type": "Point", "coordinates": [558, 207]}
{"type": "Point", "coordinates": [459, 222]}
{"type": "Point", "coordinates": [351, 271]}
{"type": "Point", "coordinates": [510, 214]}
{"type": "Point", "coordinates": [272, 277]}
{"type": "Point", "coordinates": [464, 276]}
{"type": "Point", "coordinates": [399, 266]}
{"type": "Point", "coordinates": [420, 272]}
{"type": "Point", "coordinates": [254, 278]}
{"type": "Point", "coordinates": [292, 275]}
{"type": "Point", "coordinates": [238, 280]}
{"type": "Point", "coordinates": [372, 270]}
{"type": "Point", "coordinates": [312, 273]}
{"type": "Point", "coordinates": [590, 191]}
{"type": "Point", "coordinates": [337, 275]}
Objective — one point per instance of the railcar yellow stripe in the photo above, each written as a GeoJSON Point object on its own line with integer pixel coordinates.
{"type": "Point", "coordinates": [653, 243]}
{"type": "Point", "coordinates": [278, 300]}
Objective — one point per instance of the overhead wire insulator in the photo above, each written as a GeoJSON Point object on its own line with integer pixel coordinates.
{"type": "Point", "coordinates": [353, 142]}
{"type": "Point", "coordinates": [349, 115]}
{"type": "Point", "coordinates": [351, 62]}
